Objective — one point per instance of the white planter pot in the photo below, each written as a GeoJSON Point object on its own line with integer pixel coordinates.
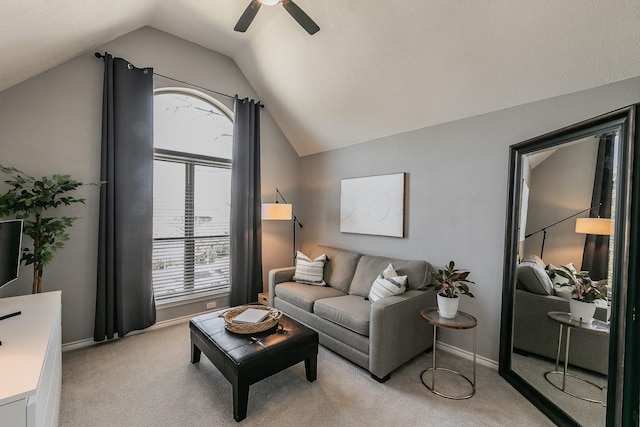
{"type": "Point", "coordinates": [448, 307]}
{"type": "Point", "coordinates": [582, 311]}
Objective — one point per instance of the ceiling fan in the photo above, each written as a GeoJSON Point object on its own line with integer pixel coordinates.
{"type": "Point", "coordinates": [293, 9]}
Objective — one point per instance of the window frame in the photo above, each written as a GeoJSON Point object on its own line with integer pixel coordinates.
{"type": "Point", "coordinates": [190, 161]}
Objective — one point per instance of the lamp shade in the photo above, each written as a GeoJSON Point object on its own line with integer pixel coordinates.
{"type": "Point", "coordinates": [600, 226]}
{"type": "Point", "coordinates": [277, 211]}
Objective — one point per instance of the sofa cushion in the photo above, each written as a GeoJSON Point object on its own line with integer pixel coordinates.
{"type": "Point", "coordinates": [339, 270]}
{"type": "Point", "coordinates": [304, 296]}
{"type": "Point", "coordinates": [534, 278]}
{"type": "Point", "coordinates": [349, 311]}
{"type": "Point", "coordinates": [310, 271]}
{"type": "Point", "coordinates": [418, 273]}
{"type": "Point", "coordinates": [536, 259]}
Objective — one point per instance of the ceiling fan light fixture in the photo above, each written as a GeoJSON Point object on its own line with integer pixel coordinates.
{"type": "Point", "coordinates": [294, 10]}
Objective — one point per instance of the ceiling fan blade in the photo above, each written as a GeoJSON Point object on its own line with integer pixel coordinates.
{"type": "Point", "coordinates": [299, 15]}
{"type": "Point", "coordinates": [247, 16]}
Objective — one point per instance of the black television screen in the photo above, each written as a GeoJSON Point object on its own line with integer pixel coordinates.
{"type": "Point", "coordinates": [10, 250]}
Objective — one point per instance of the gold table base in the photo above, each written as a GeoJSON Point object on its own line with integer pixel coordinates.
{"type": "Point", "coordinates": [433, 390]}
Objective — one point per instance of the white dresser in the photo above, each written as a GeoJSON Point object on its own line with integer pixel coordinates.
{"type": "Point", "coordinates": [31, 360]}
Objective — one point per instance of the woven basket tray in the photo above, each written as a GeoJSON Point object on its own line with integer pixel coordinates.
{"type": "Point", "coordinates": [250, 328]}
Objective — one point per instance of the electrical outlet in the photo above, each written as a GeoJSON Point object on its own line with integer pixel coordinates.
{"type": "Point", "coordinates": [211, 304]}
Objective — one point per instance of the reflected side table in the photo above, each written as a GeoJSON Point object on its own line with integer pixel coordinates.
{"type": "Point", "coordinates": [595, 327]}
{"type": "Point", "coordinates": [461, 321]}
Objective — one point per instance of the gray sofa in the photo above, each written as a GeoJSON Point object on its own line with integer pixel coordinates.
{"type": "Point", "coordinates": [378, 336]}
{"type": "Point", "coordinates": [535, 333]}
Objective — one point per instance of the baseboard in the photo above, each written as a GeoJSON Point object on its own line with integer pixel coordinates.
{"type": "Point", "coordinates": [159, 325]}
{"type": "Point", "coordinates": [74, 345]}
{"type": "Point", "coordinates": [467, 355]}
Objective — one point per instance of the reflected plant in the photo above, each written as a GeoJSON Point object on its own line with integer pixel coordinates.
{"type": "Point", "coordinates": [584, 288]}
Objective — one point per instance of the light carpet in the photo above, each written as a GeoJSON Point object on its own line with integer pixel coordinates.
{"type": "Point", "coordinates": [589, 414]}
{"type": "Point", "coordinates": [148, 380]}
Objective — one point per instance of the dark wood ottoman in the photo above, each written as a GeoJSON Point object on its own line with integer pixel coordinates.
{"type": "Point", "coordinates": [247, 359]}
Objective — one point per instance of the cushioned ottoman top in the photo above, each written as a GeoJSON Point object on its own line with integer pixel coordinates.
{"type": "Point", "coordinates": [247, 349]}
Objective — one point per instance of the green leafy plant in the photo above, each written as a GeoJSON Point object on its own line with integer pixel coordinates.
{"type": "Point", "coordinates": [449, 282]}
{"type": "Point", "coordinates": [584, 289]}
{"type": "Point", "coordinates": [29, 199]}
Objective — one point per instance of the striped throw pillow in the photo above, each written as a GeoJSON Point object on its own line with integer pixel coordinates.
{"type": "Point", "coordinates": [310, 272]}
{"type": "Point", "coordinates": [388, 283]}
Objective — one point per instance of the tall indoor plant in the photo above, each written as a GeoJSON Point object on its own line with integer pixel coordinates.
{"type": "Point", "coordinates": [449, 283]}
{"type": "Point", "coordinates": [30, 199]}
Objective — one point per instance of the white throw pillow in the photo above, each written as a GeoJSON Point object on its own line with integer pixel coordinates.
{"type": "Point", "coordinates": [558, 279]}
{"type": "Point", "coordinates": [310, 272]}
{"type": "Point", "coordinates": [388, 283]}
{"type": "Point", "coordinates": [563, 291]}
{"type": "Point", "coordinates": [389, 272]}
{"type": "Point", "coordinates": [561, 287]}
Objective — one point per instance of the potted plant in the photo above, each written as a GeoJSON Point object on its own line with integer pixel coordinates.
{"type": "Point", "coordinates": [449, 283]}
{"type": "Point", "coordinates": [29, 199]}
{"type": "Point", "coordinates": [585, 293]}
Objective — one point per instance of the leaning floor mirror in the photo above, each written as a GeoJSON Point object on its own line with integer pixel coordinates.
{"type": "Point", "coordinates": [568, 231]}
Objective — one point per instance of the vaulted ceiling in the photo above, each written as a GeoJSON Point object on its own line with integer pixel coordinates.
{"type": "Point", "coordinates": [376, 68]}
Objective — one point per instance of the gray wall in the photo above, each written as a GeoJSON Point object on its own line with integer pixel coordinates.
{"type": "Point", "coordinates": [457, 188]}
{"type": "Point", "coordinates": [52, 123]}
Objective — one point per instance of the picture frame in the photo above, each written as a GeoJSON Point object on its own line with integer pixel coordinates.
{"type": "Point", "coordinates": [373, 205]}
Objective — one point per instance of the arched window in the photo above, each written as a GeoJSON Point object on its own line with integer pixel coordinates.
{"type": "Point", "coordinates": [191, 195]}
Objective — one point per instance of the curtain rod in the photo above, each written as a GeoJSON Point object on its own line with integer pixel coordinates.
{"type": "Point", "coordinates": [101, 56]}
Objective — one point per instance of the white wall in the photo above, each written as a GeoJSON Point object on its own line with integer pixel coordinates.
{"type": "Point", "coordinates": [52, 124]}
{"type": "Point", "coordinates": [457, 189]}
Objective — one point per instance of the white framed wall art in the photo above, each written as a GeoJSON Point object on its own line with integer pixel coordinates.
{"type": "Point", "coordinates": [373, 205]}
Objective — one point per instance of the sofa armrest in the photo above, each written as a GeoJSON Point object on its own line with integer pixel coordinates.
{"type": "Point", "coordinates": [397, 331]}
{"type": "Point", "coordinates": [279, 275]}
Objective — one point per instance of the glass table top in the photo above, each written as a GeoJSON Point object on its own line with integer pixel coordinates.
{"type": "Point", "coordinates": [596, 326]}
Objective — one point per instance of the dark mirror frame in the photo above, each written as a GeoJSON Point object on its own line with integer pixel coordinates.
{"type": "Point", "coordinates": [625, 121]}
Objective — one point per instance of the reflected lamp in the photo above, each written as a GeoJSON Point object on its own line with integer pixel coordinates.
{"type": "Point", "coordinates": [597, 226]}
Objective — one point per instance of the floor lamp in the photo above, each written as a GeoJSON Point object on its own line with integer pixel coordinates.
{"type": "Point", "coordinates": [281, 212]}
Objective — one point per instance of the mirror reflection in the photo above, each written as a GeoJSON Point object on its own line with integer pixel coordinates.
{"type": "Point", "coordinates": [565, 252]}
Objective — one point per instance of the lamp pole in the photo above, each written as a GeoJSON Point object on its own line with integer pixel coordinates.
{"type": "Point", "coordinates": [294, 221]}
{"type": "Point", "coordinates": [544, 229]}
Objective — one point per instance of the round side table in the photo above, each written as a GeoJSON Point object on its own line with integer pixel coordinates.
{"type": "Point", "coordinates": [595, 327]}
{"type": "Point", "coordinates": [461, 321]}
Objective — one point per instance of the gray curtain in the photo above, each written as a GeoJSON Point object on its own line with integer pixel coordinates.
{"type": "Point", "coordinates": [246, 227]}
{"type": "Point", "coordinates": [124, 298]}
{"type": "Point", "coordinates": [595, 258]}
